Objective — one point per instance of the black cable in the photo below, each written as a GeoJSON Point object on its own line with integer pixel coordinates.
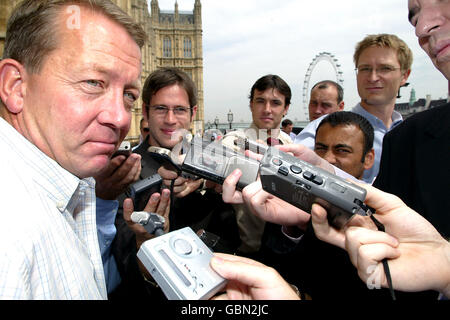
{"type": "Point", "coordinates": [387, 272]}
{"type": "Point", "coordinates": [172, 198]}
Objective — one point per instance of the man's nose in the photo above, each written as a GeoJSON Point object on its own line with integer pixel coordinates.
{"type": "Point", "coordinates": [170, 116]}
{"type": "Point", "coordinates": [115, 113]}
{"type": "Point", "coordinates": [329, 156]}
{"type": "Point", "coordinates": [430, 18]}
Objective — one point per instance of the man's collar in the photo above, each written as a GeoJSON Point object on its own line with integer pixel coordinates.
{"type": "Point", "coordinates": [396, 117]}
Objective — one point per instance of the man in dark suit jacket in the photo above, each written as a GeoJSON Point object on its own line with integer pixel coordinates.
{"type": "Point", "coordinates": [415, 165]}
{"type": "Point", "coordinates": [169, 104]}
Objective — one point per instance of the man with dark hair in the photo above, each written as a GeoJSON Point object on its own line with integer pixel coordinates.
{"type": "Point", "coordinates": [345, 139]}
{"type": "Point", "coordinates": [286, 127]}
{"type": "Point", "coordinates": [326, 97]}
{"type": "Point", "coordinates": [270, 98]}
{"type": "Point", "coordinates": [169, 100]}
{"type": "Point", "coordinates": [67, 90]}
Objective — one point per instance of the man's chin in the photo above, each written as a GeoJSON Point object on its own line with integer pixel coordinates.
{"type": "Point", "coordinates": [93, 167]}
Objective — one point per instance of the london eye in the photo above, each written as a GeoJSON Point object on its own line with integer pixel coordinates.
{"type": "Point", "coordinates": [322, 56]}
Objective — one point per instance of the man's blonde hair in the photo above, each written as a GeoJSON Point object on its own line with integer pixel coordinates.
{"type": "Point", "coordinates": [384, 40]}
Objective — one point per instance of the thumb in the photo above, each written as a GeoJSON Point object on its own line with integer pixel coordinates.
{"type": "Point", "coordinates": [128, 209]}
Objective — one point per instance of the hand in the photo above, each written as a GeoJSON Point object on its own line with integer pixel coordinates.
{"type": "Point", "coordinates": [117, 176]}
{"type": "Point", "coordinates": [308, 155]}
{"type": "Point", "coordinates": [419, 256]}
{"type": "Point", "coordinates": [250, 280]}
{"type": "Point", "coordinates": [158, 203]}
{"type": "Point", "coordinates": [263, 204]}
{"type": "Point", "coordinates": [182, 186]}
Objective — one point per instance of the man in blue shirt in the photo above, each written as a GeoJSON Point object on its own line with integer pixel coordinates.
{"type": "Point", "coordinates": [383, 64]}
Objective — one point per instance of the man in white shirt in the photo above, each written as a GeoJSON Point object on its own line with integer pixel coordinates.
{"type": "Point", "coordinates": [69, 76]}
{"type": "Point", "coordinates": [326, 97]}
{"type": "Point", "coordinates": [383, 64]}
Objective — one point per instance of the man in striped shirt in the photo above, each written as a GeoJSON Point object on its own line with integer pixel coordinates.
{"type": "Point", "coordinates": [69, 76]}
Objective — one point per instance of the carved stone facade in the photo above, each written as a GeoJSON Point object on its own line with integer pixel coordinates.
{"type": "Point", "coordinates": [175, 39]}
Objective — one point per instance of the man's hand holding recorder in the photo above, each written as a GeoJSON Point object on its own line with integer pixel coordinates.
{"type": "Point", "coordinates": [212, 162]}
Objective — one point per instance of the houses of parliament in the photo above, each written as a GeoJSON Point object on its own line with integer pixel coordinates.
{"type": "Point", "coordinates": [174, 39]}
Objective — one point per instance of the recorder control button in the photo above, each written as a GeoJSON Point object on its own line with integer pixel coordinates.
{"type": "Point", "coordinates": [277, 161]}
{"type": "Point", "coordinates": [295, 169]}
{"type": "Point", "coordinates": [182, 247]}
{"type": "Point", "coordinates": [284, 171]}
{"type": "Point", "coordinates": [318, 180]}
{"type": "Point", "coordinates": [338, 187]}
{"type": "Point", "coordinates": [308, 175]}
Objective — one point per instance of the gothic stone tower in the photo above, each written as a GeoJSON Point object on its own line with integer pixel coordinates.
{"type": "Point", "coordinates": [177, 38]}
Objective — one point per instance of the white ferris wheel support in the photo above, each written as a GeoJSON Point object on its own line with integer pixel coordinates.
{"type": "Point", "coordinates": [327, 56]}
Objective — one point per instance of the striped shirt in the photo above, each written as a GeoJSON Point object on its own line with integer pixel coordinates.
{"type": "Point", "coordinates": [48, 234]}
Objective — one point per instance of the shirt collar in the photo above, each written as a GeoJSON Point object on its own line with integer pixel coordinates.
{"type": "Point", "coordinates": [279, 137]}
{"type": "Point", "coordinates": [59, 184]}
{"type": "Point", "coordinates": [375, 121]}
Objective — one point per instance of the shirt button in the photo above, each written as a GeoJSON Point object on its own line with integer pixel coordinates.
{"type": "Point", "coordinates": [60, 205]}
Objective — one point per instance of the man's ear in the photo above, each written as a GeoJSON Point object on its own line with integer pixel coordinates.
{"type": "Point", "coordinates": [286, 109]}
{"type": "Point", "coordinates": [369, 159]}
{"type": "Point", "coordinates": [405, 77]}
{"type": "Point", "coordinates": [341, 106]}
{"type": "Point", "coordinates": [145, 111]}
{"type": "Point", "coordinates": [12, 85]}
{"type": "Point", "coordinates": [194, 112]}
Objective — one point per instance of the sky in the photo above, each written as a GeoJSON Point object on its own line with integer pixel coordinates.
{"type": "Point", "coordinates": [244, 40]}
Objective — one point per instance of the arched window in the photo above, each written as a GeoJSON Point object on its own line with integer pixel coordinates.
{"type": "Point", "coordinates": [187, 47]}
{"type": "Point", "coordinates": [167, 47]}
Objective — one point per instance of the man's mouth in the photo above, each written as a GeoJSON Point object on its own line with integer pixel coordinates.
{"type": "Point", "coordinates": [441, 48]}
{"type": "Point", "coordinates": [168, 132]}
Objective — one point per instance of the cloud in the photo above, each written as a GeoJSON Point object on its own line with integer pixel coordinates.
{"type": "Point", "coordinates": [244, 40]}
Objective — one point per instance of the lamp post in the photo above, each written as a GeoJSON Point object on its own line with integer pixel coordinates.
{"type": "Point", "coordinates": [216, 121]}
{"type": "Point", "coordinates": [230, 118]}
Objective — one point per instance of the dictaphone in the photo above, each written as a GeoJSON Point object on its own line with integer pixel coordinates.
{"type": "Point", "coordinates": [179, 263]}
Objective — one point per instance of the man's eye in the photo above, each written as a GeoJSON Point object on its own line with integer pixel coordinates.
{"type": "Point", "coordinates": [319, 148]}
{"type": "Point", "coordinates": [180, 110]}
{"type": "Point", "coordinates": [386, 69]}
{"type": "Point", "coordinates": [93, 83]}
{"type": "Point", "coordinates": [365, 69]}
{"type": "Point", "coordinates": [130, 96]}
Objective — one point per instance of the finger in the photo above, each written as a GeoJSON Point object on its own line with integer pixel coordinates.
{"type": "Point", "coordinates": [168, 172]}
{"type": "Point", "coordinates": [322, 228]}
{"type": "Point", "coordinates": [152, 202]}
{"type": "Point", "coordinates": [253, 155]}
{"type": "Point", "coordinates": [379, 200]}
{"type": "Point", "coordinates": [356, 237]}
{"type": "Point", "coordinates": [231, 257]}
{"type": "Point", "coordinates": [137, 172]}
{"type": "Point", "coordinates": [114, 163]}
{"type": "Point", "coordinates": [178, 182]}
{"type": "Point", "coordinates": [191, 186]}
{"type": "Point", "coordinates": [128, 209]}
{"type": "Point", "coordinates": [229, 193]}
{"type": "Point", "coordinates": [370, 256]}
{"type": "Point", "coordinates": [245, 273]}
{"type": "Point", "coordinates": [164, 204]}
{"type": "Point", "coordinates": [128, 171]}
